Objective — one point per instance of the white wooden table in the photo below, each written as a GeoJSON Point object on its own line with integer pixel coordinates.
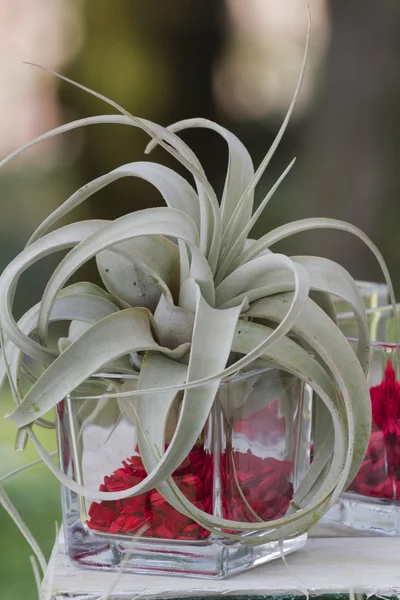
{"type": "Point", "coordinates": [326, 565]}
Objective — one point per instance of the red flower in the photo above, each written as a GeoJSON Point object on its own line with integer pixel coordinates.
{"type": "Point", "coordinates": [379, 475]}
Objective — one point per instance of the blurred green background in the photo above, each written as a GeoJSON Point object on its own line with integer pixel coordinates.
{"type": "Point", "coordinates": [233, 61]}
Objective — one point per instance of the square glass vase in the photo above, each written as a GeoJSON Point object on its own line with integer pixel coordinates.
{"type": "Point", "coordinates": [371, 504]}
{"type": "Point", "coordinates": [252, 455]}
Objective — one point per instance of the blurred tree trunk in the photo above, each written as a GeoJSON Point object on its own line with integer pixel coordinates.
{"type": "Point", "coordinates": [350, 171]}
{"type": "Point", "coordinates": [155, 59]}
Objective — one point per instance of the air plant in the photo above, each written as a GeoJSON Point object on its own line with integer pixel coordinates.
{"type": "Point", "coordinates": [189, 301]}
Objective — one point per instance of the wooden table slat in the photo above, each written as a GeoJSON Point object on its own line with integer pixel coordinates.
{"type": "Point", "coordinates": [326, 565]}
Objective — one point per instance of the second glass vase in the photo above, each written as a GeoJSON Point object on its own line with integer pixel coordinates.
{"type": "Point", "coordinates": [371, 504]}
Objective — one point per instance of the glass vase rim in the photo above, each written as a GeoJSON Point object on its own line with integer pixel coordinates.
{"type": "Point", "coordinates": [235, 377]}
{"type": "Point", "coordinates": [380, 310]}
{"type": "Point", "coordinates": [365, 284]}
{"type": "Point", "coordinates": [238, 376]}
{"type": "Point", "coordinates": [375, 343]}
{"type": "Point", "coordinates": [385, 308]}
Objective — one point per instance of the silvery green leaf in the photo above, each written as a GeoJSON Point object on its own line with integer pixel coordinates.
{"type": "Point", "coordinates": [317, 329]}
{"type": "Point", "coordinates": [232, 398]}
{"type": "Point", "coordinates": [155, 221]}
{"type": "Point", "coordinates": [296, 360]}
{"type": "Point", "coordinates": [196, 404]}
{"type": "Point", "coordinates": [271, 386]}
{"type": "Point", "coordinates": [188, 295]}
{"type": "Point", "coordinates": [175, 190]}
{"type": "Point", "coordinates": [16, 517]}
{"type": "Point", "coordinates": [65, 237]}
{"type": "Point", "coordinates": [247, 277]}
{"type": "Point", "coordinates": [69, 305]}
{"type": "Point", "coordinates": [250, 241]}
{"type": "Point", "coordinates": [184, 266]}
{"type": "Point", "coordinates": [78, 328]}
{"type": "Point", "coordinates": [215, 328]}
{"type": "Point", "coordinates": [323, 447]}
{"type": "Point", "coordinates": [152, 413]}
{"type": "Point", "coordinates": [63, 343]}
{"type": "Point", "coordinates": [174, 325]}
{"type": "Point", "coordinates": [231, 230]}
{"type": "Point", "coordinates": [239, 173]}
{"type": "Point", "coordinates": [201, 273]}
{"type": "Point", "coordinates": [210, 230]}
{"type": "Point", "coordinates": [18, 470]}
{"type": "Point", "coordinates": [325, 302]}
{"type": "Point", "coordinates": [289, 229]}
{"type": "Point", "coordinates": [127, 405]}
{"type": "Point", "coordinates": [243, 231]}
{"type": "Point", "coordinates": [325, 276]}
{"type": "Point", "coordinates": [128, 283]}
{"type": "Point", "coordinates": [102, 412]}
{"type": "Point", "coordinates": [194, 255]}
{"type": "Point", "coordinates": [272, 336]}
{"type": "Point", "coordinates": [158, 133]}
{"type": "Point", "coordinates": [113, 337]}
{"type": "Point", "coordinates": [138, 271]}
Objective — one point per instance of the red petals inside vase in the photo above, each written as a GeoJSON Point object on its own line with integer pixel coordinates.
{"type": "Point", "coordinates": [252, 488]}
{"type": "Point", "coordinates": [151, 511]}
{"type": "Point", "coordinates": [257, 489]}
{"type": "Point", "coordinates": [379, 475]}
